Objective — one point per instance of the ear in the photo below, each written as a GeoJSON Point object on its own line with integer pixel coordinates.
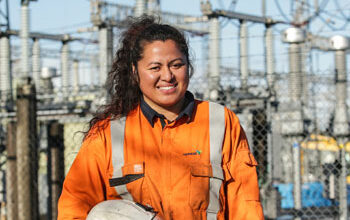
{"type": "Point", "coordinates": [135, 75]}
{"type": "Point", "coordinates": [133, 69]}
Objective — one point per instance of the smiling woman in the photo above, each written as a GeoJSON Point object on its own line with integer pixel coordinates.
{"type": "Point", "coordinates": [164, 77]}
{"type": "Point", "coordinates": [156, 152]}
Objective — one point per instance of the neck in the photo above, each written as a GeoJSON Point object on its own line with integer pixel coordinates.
{"type": "Point", "coordinates": [169, 112]}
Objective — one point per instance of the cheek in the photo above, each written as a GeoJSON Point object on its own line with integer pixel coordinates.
{"type": "Point", "coordinates": [185, 76]}
{"type": "Point", "coordinates": [146, 78]}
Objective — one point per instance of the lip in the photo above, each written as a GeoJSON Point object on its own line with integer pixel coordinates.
{"type": "Point", "coordinates": [168, 89]}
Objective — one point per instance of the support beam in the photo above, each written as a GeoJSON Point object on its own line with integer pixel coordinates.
{"type": "Point", "coordinates": [245, 17]}
{"type": "Point", "coordinates": [55, 165]}
{"type": "Point", "coordinates": [11, 172]}
{"type": "Point", "coordinates": [26, 151]}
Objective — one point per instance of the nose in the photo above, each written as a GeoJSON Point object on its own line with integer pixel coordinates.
{"type": "Point", "coordinates": [167, 75]}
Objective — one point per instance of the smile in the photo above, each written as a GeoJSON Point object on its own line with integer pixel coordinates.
{"type": "Point", "coordinates": [166, 88]}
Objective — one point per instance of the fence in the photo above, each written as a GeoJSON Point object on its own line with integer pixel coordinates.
{"type": "Point", "coordinates": [302, 175]}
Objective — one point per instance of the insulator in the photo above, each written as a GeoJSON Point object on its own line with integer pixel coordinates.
{"type": "Point", "coordinates": [214, 53]}
{"type": "Point", "coordinates": [24, 34]}
{"type": "Point", "coordinates": [244, 71]}
{"type": "Point", "coordinates": [140, 7]}
{"type": "Point", "coordinates": [270, 58]}
{"type": "Point", "coordinates": [5, 74]}
{"type": "Point", "coordinates": [65, 68]}
{"type": "Point", "coordinates": [295, 72]}
{"type": "Point", "coordinates": [36, 63]}
{"type": "Point", "coordinates": [106, 52]}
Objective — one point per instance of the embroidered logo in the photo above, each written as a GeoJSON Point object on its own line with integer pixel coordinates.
{"type": "Point", "coordinates": [138, 168]}
{"type": "Point", "coordinates": [197, 152]}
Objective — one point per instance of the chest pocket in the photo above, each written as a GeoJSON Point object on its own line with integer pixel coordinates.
{"type": "Point", "coordinates": [205, 184]}
{"type": "Point", "coordinates": [131, 185]}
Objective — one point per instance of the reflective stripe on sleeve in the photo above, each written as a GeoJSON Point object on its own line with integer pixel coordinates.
{"type": "Point", "coordinates": [216, 137]}
{"type": "Point", "coordinates": [117, 138]}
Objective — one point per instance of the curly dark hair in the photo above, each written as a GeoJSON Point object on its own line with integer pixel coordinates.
{"type": "Point", "coordinates": [123, 81]}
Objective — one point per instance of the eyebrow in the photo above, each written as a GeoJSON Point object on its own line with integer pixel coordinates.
{"type": "Point", "coordinates": [172, 61]}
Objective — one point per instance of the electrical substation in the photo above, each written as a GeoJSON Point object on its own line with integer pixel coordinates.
{"type": "Point", "coordinates": [281, 68]}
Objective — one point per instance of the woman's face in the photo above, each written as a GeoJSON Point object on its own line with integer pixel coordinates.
{"type": "Point", "coordinates": [163, 75]}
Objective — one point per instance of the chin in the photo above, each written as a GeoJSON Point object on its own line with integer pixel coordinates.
{"type": "Point", "coordinates": [168, 103]}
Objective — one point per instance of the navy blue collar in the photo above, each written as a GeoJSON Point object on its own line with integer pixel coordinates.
{"type": "Point", "coordinates": [150, 113]}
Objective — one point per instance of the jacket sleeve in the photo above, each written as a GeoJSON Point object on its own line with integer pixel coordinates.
{"type": "Point", "coordinates": [241, 191]}
{"type": "Point", "coordinates": [85, 183]}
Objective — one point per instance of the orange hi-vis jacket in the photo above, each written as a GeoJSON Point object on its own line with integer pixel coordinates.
{"type": "Point", "coordinates": [173, 165]}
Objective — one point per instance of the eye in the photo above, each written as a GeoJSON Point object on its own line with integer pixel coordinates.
{"type": "Point", "coordinates": [178, 65]}
{"type": "Point", "coordinates": [155, 68]}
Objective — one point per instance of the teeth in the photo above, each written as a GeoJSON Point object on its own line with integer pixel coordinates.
{"type": "Point", "coordinates": [166, 88]}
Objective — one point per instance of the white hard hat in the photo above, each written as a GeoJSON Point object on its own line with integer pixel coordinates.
{"type": "Point", "coordinates": [121, 210]}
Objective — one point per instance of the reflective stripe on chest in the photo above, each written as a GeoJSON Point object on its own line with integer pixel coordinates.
{"type": "Point", "coordinates": [123, 175]}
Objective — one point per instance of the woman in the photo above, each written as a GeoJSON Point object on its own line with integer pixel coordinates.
{"type": "Point", "coordinates": [155, 144]}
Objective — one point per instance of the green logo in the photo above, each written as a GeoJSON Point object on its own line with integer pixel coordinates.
{"type": "Point", "coordinates": [197, 152]}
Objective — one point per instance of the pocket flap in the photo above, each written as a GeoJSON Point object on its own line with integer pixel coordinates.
{"type": "Point", "coordinates": [248, 158]}
{"type": "Point", "coordinates": [248, 176]}
{"type": "Point", "coordinates": [135, 168]}
{"type": "Point", "coordinates": [212, 171]}
{"type": "Point", "coordinates": [128, 173]}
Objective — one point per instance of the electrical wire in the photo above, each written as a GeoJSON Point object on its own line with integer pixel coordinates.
{"type": "Point", "coordinates": [308, 19]}
{"type": "Point", "coordinates": [233, 5]}
{"type": "Point", "coordinates": [68, 26]}
{"type": "Point", "coordinates": [331, 15]}
{"type": "Point", "coordinates": [291, 7]}
{"type": "Point", "coordinates": [331, 26]}
{"type": "Point", "coordinates": [281, 11]}
{"type": "Point", "coordinates": [341, 11]}
{"type": "Point", "coordinates": [323, 4]}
